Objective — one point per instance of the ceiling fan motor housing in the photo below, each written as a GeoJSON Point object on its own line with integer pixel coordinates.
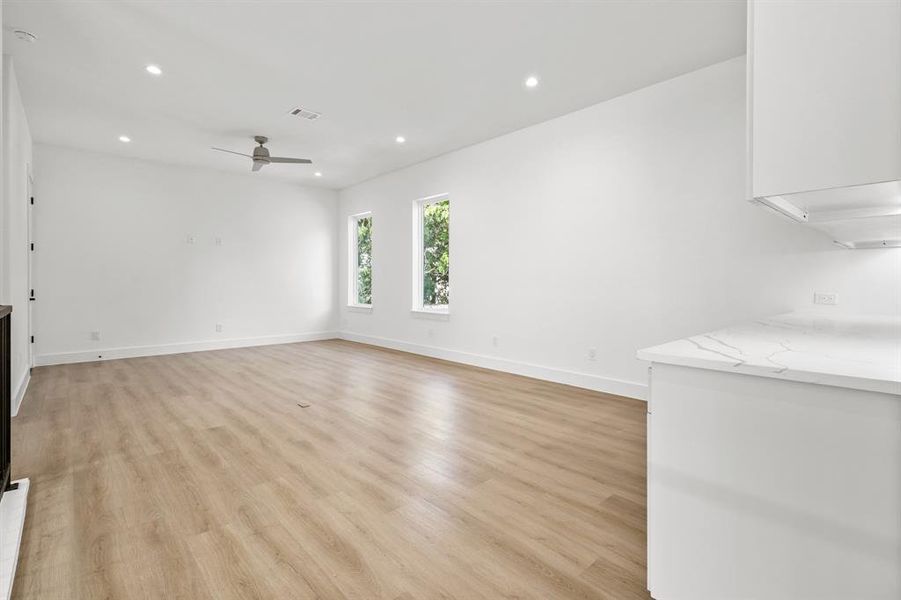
{"type": "Point", "coordinates": [261, 153]}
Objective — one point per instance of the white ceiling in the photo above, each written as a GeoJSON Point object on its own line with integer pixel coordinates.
{"type": "Point", "coordinates": [443, 74]}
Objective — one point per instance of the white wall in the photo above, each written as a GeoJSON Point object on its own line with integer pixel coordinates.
{"type": "Point", "coordinates": [112, 255]}
{"type": "Point", "coordinates": [14, 264]}
{"type": "Point", "coordinates": [616, 227]}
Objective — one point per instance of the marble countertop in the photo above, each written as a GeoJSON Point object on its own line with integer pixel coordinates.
{"type": "Point", "coordinates": [862, 353]}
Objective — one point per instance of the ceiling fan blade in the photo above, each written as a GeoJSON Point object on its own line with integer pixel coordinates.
{"type": "Point", "coordinates": [257, 165]}
{"type": "Point", "coordinates": [283, 159]}
{"type": "Point", "coordinates": [230, 151]}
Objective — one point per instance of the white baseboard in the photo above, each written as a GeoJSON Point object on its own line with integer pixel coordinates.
{"type": "Point", "coordinates": [20, 392]}
{"type": "Point", "coordinates": [630, 389]}
{"type": "Point", "coordinates": [589, 381]}
{"type": "Point", "coordinates": [63, 358]}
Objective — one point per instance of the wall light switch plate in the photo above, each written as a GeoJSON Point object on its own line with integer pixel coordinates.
{"type": "Point", "coordinates": [192, 239]}
{"type": "Point", "coordinates": [826, 298]}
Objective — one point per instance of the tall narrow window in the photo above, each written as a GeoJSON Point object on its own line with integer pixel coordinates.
{"type": "Point", "coordinates": [359, 285]}
{"type": "Point", "coordinates": [431, 269]}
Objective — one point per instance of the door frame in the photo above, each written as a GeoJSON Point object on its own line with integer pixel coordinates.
{"type": "Point", "coordinates": [29, 189]}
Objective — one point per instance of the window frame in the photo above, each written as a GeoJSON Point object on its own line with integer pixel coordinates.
{"type": "Point", "coordinates": [419, 206]}
{"type": "Point", "coordinates": [353, 261]}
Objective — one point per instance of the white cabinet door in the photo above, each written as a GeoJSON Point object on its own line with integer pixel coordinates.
{"type": "Point", "coordinates": [770, 489]}
{"type": "Point", "coordinates": [824, 93]}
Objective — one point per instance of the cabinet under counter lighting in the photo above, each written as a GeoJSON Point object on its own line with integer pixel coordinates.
{"type": "Point", "coordinates": [824, 116]}
{"type": "Point", "coordinates": [774, 461]}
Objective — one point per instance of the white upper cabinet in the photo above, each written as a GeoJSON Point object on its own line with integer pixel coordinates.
{"type": "Point", "coordinates": [824, 92]}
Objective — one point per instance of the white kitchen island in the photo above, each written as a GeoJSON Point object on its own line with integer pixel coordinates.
{"type": "Point", "coordinates": [774, 461]}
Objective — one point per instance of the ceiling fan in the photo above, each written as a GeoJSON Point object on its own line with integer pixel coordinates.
{"type": "Point", "coordinates": [261, 156]}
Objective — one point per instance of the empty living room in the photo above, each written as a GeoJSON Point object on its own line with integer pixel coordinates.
{"type": "Point", "coordinates": [458, 299]}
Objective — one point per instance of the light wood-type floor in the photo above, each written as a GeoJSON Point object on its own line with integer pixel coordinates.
{"type": "Point", "coordinates": [198, 476]}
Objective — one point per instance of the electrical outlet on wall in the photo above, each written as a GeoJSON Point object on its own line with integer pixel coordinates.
{"type": "Point", "coordinates": [592, 354]}
{"type": "Point", "coordinates": [494, 341]}
{"type": "Point", "coordinates": [218, 241]}
{"type": "Point", "coordinates": [191, 239]}
{"type": "Point", "coordinates": [826, 298]}
{"type": "Point", "coordinates": [95, 336]}
{"type": "Point", "coordinates": [218, 327]}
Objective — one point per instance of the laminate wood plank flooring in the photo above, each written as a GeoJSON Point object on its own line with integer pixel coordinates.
{"type": "Point", "coordinates": [199, 476]}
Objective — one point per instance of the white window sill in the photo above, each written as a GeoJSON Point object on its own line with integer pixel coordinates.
{"type": "Point", "coordinates": [442, 313]}
{"type": "Point", "coordinates": [363, 308]}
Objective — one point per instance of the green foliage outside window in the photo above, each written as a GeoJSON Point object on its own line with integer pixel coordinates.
{"type": "Point", "coordinates": [435, 253]}
{"type": "Point", "coordinates": [364, 260]}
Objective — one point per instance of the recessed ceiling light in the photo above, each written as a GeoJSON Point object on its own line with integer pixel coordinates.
{"type": "Point", "coordinates": [154, 70]}
{"type": "Point", "coordinates": [124, 138]}
{"type": "Point", "coordinates": [400, 139]}
{"type": "Point", "coordinates": [531, 81]}
{"type": "Point", "coordinates": [318, 174]}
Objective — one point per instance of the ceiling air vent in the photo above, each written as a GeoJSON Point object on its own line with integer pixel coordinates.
{"type": "Point", "coordinates": [304, 113]}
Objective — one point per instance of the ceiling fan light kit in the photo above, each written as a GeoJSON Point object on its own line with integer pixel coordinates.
{"type": "Point", "coordinates": [261, 155]}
